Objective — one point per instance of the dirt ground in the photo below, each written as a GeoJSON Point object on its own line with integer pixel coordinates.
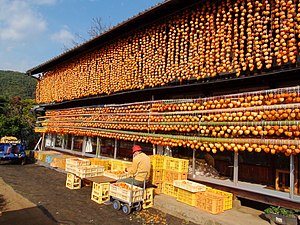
{"type": "Point", "coordinates": [36, 195]}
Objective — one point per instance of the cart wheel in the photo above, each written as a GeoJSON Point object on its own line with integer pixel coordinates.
{"type": "Point", "coordinates": [126, 209]}
{"type": "Point", "coordinates": [138, 207]}
{"type": "Point", "coordinates": [116, 205]}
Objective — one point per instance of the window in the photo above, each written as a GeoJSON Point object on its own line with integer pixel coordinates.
{"type": "Point", "coordinates": [78, 142]}
{"type": "Point", "coordinates": [107, 147]}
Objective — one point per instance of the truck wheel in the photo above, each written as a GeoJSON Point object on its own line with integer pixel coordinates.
{"type": "Point", "coordinates": [126, 209]}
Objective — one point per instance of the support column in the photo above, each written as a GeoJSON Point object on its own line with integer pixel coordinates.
{"type": "Point", "coordinates": [84, 145]}
{"type": "Point", "coordinates": [194, 162]}
{"type": "Point", "coordinates": [43, 143]}
{"type": "Point", "coordinates": [72, 143]}
{"type": "Point", "coordinates": [292, 176]}
{"type": "Point", "coordinates": [98, 148]}
{"type": "Point", "coordinates": [236, 168]}
{"type": "Point", "coordinates": [115, 152]}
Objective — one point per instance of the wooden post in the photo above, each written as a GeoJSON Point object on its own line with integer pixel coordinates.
{"type": "Point", "coordinates": [236, 169]}
{"type": "Point", "coordinates": [72, 143]}
{"type": "Point", "coordinates": [194, 162]}
{"type": "Point", "coordinates": [115, 150]}
{"type": "Point", "coordinates": [98, 148]}
{"type": "Point", "coordinates": [43, 143]}
{"type": "Point", "coordinates": [292, 176]}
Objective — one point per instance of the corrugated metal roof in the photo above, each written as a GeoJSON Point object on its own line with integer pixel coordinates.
{"type": "Point", "coordinates": [154, 13]}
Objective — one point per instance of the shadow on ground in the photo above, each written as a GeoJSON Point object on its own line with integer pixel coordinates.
{"type": "Point", "coordinates": [29, 216]}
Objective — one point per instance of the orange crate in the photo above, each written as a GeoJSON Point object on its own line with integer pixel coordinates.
{"type": "Point", "coordinates": [178, 165]}
{"type": "Point", "coordinates": [169, 189]}
{"type": "Point", "coordinates": [186, 197]}
{"type": "Point", "coordinates": [156, 175]}
{"type": "Point", "coordinates": [169, 176]}
{"type": "Point", "coordinates": [210, 202]}
{"type": "Point", "coordinates": [226, 195]}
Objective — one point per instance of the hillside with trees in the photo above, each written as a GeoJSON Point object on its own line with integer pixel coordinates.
{"type": "Point", "coordinates": [17, 97]}
{"type": "Point", "coordinates": [17, 84]}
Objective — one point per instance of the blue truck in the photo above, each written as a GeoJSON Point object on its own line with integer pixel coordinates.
{"type": "Point", "coordinates": [12, 150]}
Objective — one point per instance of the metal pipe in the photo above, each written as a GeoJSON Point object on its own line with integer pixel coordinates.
{"type": "Point", "coordinates": [292, 176]}
{"type": "Point", "coordinates": [236, 168]}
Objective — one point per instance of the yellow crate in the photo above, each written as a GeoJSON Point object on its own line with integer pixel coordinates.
{"type": "Point", "coordinates": [175, 164]}
{"type": "Point", "coordinates": [169, 176]}
{"type": "Point", "coordinates": [77, 162]}
{"type": "Point", "coordinates": [119, 164]}
{"type": "Point", "coordinates": [189, 185]}
{"type": "Point", "coordinates": [73, 182]}
{"type": "Point", "coordinates": [58, 161]}
{"type": "Point", "coordinates": [210, 202]}
{"type": "Point", "coordinates": [158, 190]}
{"type": "Point", "coordinates": [186, 197]}
{"type": "Point", "coordinates": [156, 175]}
{"type": "Point", "coordinates": [148, 198]}
{"type": "Point", "coordinates": [100, 162]}
{"type": "Point", "coordinates": [169, 189]}
{"type": "Point", "coordinates": [227, 197]}
{"type": "Point", "coordinates": [100, 192]}
{"type": "Point", "coordinates": [157, 161]}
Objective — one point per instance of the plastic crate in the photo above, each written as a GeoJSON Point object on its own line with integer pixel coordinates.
{"type": "Point", "coordinates": [100, 192]}
{"type": "Point", "coordinates": [89, 171]}
{"type": "Point", "coordinates": [49, 158]}
{"type": "Point", "coordinates": [186, 197]}
{"type": "Point", "coordinates": [189, 185]}
{"type": "Point", "coordinates": [100, 162]}
{"type": "Point", "coordinates": [158, 190]}
{"type": "Point", "coordinates": [59, 161]}
{"type": "Point", "coordinates": [157, 161]}
{"type": "Point", "coordinates": [169, 189]}
{"type": "Point", "coordinates": [124, 194]}
{"type": "Point", "coordinates": [148, 198]}
{"type": "Point", "coordinates": [169, 176]}
{"type": "Point", "coordinates": [175, 164]}
{"type": "Point", "coordinates": [116, 174]}
{"type": "Point", "coordinates": [210, 202]}
{"type": "Point", "coordinates": [227, 197]}
{"type": "Point", "coordinates": [156, 175]}
{"type": "Point", "coordinates": [119, 164]}
{"type": "Point", "coordinates": [73, 182]}
{"type": "Point", "coordinates": [77, 162]}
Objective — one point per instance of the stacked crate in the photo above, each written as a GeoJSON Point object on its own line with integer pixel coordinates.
{"type": "Point", "coordinates": [116, 174]}
{"type": "Point", "coordinates": [156, 172]}
{"type": "Point", "coordinates": [73, 182]}
{"type": "Point", "coordinates": [100, 192]}
{"type": "Point", "coordinates": [227, 197]}
{"type": "Point", "coordinates": [210, 202]}
{"type": "Point", "coordinates": [119, 165]}
{"type": "Point", "coordinates": [100, 162]}
{"type": "Point", "coordinates": [82, 168]}
{"type": "Point", "coordinates": [173, 169]}
{"type": "Point", "coordinates": [187, 191]}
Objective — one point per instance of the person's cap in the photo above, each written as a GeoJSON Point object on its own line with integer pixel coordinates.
{"type": "Point", "coordinates": [136, 148]}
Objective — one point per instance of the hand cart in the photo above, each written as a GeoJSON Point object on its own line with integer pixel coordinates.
{"type": "Point", "coordinates": [134, 199]}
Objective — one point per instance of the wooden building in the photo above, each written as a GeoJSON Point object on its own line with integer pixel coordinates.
{"type": "Point", "coordinates": [191, 77]}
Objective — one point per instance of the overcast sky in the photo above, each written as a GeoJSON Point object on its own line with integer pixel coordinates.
{"type": "Point", "coordinates": [34, 31]}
